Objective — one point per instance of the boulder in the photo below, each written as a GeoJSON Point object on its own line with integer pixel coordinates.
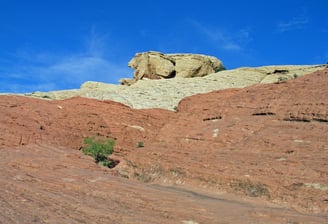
{"type": "Point", "coordinates": [195, 65]}
{"type": "Point", "coordinates": [152, 65]}
{"type": "Point", "coordinates": [156, 65]}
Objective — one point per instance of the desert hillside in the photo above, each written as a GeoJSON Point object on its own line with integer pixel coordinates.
{"type": "Point", "coordinates": [250, 149]}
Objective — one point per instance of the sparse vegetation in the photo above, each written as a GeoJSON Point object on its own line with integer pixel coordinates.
{"type": "Point", "coordinates": [140, 145]}
{"type": "Point", "coordinates": [218, 69]}
{"type": "Point", "coordinates": [281, 79]}
{"type": "Point", "coordinates": [296, 75]}
{"type": "Point", "coordinates": [149, 174]}
{"type": "Point", "coordinates": [251, 189]}
{"type": "Point", "coordinates": [99, 150]}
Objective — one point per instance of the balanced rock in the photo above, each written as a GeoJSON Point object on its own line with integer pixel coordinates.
{"type": "Point", "coordinates": [156, 65]}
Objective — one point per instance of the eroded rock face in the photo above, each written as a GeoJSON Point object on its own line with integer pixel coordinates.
{"type": "Point", "coordinates": [152, 65]}
{"type": "Point", "coordinates": [222, 149]}
{"type": "Point", "coordinates": [155, 65]}
{"type": "Point", "coordinates": [167, 93]}
{"type": "Point", "coordinates": [195, 65]}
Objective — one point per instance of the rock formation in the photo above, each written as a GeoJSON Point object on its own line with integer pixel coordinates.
{"type": "Point", "coordinates": [155, 65]}
{"type": "Point", "coordinates": [166, 93]}
{"type": "Point", "coordinates": [243, 155]}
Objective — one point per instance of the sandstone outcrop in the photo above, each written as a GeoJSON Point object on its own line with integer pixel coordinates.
{"type": "Point", "coordinates": [167, 93]}
{"type": "Point", "coordinates": [156, 65]}
{"type": "Point", "coordinates": [195, 65]}
{"type": "Point", "coordinates": [152, 65]}
{"type": "Point", "coordinates": [243, 155]}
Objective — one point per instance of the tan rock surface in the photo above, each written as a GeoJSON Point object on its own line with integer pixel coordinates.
{"type": "Point", "coordinates": [167, 93]}
{"type": "Point", "coordinates": [156, 65]}
{"type": "Point", "coordinates": [251, 155]}
{"type": "Point", "coordinates": [152, 65]}
{"type": "Point", "coordinates": [195, 65]}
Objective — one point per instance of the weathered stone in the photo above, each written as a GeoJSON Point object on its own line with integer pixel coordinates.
{"type": "Point", "coordinates": [195, 65]}
{"type": "Point", "coordinates": [167, 93]}
{"type": "Point", "coordinates": [217, 149]}
{"type": "Point", "coordinates": [155, 65]}
{"type": "Point", "coordinates": [127, 82]}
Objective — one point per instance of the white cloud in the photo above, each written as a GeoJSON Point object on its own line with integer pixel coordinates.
{"type": "Point", "coordinates": [96, 43]}
{"type": "Point", "coordinates": [231, 46]}
{"type": "Point", "coordinates": [70, 72]}
{"type": "Point", "coordinates": [43, 71]}
{"type": "Point", "coordinates": [81, 68]}
{"type": "Point", "coordinates": [296, 23]}
{"type": "Point", "coordinates": [231, 41]}
{"type": "Point", "coordinates": [321, 59]}
{"type": "Point", "coordinates": [24, 88]}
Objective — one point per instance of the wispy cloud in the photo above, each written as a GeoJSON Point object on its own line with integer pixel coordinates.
{"type": "Point", "coordinates": [43, 71]}
{"type": "Point", "coordinates": [96, 43]}
{"type": "Point", "coordinates": [230, 41]}
{"type": "Point", "coordinates": [322, 58]}
{"type": "Point", "coordinates": [295, 23]}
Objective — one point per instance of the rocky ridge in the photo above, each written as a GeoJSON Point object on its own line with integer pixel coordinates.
{"type": "Point", "coordinates": [167, 93]}
{"type": "Point", "coordinates": [242, 155]}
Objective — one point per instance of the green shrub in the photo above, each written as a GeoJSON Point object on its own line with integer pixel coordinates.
{"type": "Point", "coordinates": [99, 150]}
{"type": "Point", "coordinates": [140, 145]}
{"type": "Point", "coordinates": [296, 76]}
{"type": "Point", "coordinates": [281, 80]}
{"type": "Point", "coordinates": [219, 68]}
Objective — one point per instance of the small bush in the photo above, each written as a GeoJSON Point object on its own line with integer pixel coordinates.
{"type": "Point", "coordinates": [99, 150]}
{"type": "Point", "coordinates": [219, 68]}
{"type": "Point", "coordinates": [296, 76]}
{"type": "Point", "coordinates": [140, 145]}
{"type": "Point", "coordinates": [281, 80]}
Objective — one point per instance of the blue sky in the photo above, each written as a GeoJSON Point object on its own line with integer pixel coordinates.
{"type": "Point", "coordinates": [59, 44]}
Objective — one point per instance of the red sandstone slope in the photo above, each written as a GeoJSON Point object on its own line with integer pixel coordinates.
{"type": "Point", "coordinates": [65, 123]}
{"type": "Point", "coordinates": [267, 142]}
